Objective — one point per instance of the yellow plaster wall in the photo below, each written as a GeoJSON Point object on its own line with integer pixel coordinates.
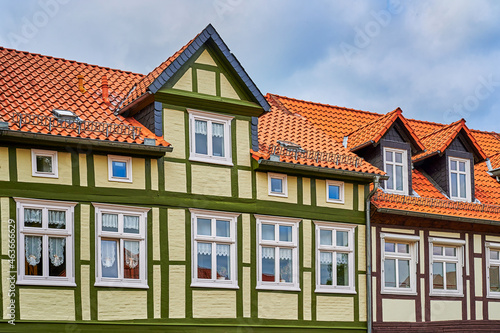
{"type": "Point", "coordinates": [85, 291]}
{"type": "Point", "coordinates": [176, 234]}
{"type": "Point", "coordinates": [398, 231]}
{"type": "Point", "coordinates": [176, 291]}
{"type": "Point", "coordinates": [402, 310]}
{"type": "Point", "coordinates": [467, 286]}
{"type": "Point", "coordinates": [186, 81]}
{"type": "Point", "coordinates": [422, 296]}
{"type": "Point", "coordinates": [4, 219]}
{"type": "Point", "coordinates": [156, 233]}
{"type": "Point", "coordinates": [243, 142]}
{"type": "Point", "coordinates": [307, 298]}
{"type": "Point", "coordinates": [247, 246]}
{"type": "Point", "coordinates": [157, 291]}
{"type": "Point", "coordinates": [214, 304]}
{"type": "Point", "coordinates": [478, 276]}
{"type": "Point", "coordinates": [307, 241]}
{"type": "Point", "coordinates": [422, 253]}
{"type": "Point", "coordinates": [46, 304]}
{"type": "Point", "coordinates": [226, 89]}
{"type": "Point", "coordinates": [446, 310]}
{"type": "Point", "coordinates": [478, 246]}
{"type": "Point", "coordinates": [4, 164]}
{"type": "Point", "coordinates": [247, 293]}
{"type": "Point", "coordinates": [444, 234]}
{"type": "Point", "coordinates": [206, 59]}
{"type": "Point", "coordinates": [321, 196]}
{"type": "Point", "coordinates": [5, 289]}
{"type": "Point", "coordinates": [245, 184]}
{"type": "Point", "coordinates": [173, 123]}
{"type": "Point", "coordinates": [479, 310]}
{"type": "Point", "coordinates": [490, 238]}
{"type": "Point", "coordinates": [362, 296]}
{"type": "Point", "coordinates": [82, 163]}
{"type": "Point", "coordinates": [374, 298]}
{"type": "Point", "coordinates": [175, 177]}
{"type": "Point", "coordinates": [263, 189]}
{"type": "Point", "coordinates": [361, 198]}
{"type": "Point", "coordinates": [278, 306]}
{"type": "Point", "coordinates": [24, 169]}
{"type": "Point", "coordinates": [138, 174]}
{"type": "Point", "coordinates": [85, 232]}
{"type": "Point", "coordinates": [154, 175]}
{"type": "Point", "coordinates": [206, 82]}
{"type": "Point", "coordinates": [334, 308]}
{"type": "Point", "coordinates": [306, 191]}
{"type": "Point", "coordinates": [374, 248]}
{"type": "Point", "coordinates": [208, 180]}
{"type": "Point", "coordinates": [361, 247]}
{"type": "Point", "coordinates": [122, 304]}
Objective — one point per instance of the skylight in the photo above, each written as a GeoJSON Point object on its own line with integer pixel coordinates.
{"type": "Point", "coordinates": [66, 115]}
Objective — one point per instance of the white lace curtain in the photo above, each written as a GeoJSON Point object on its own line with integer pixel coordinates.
{"type": "Point", "coordinates": [33, 249]}
{"type": "Point", "coordinates": [32, 215]}
{"type": "Point", "coordinates": [268, 252]}
{"type": "Point", "coordinates": [131, 254]}
{"type": "Point", "coordinates": [217, 130]}
{"type": "Point", "coordinates": [285, 254]}
{"type": "Point", "coordinates": [205, 248]}
{"type": "Point", "coordinates": [58, 218]}
{"type": "Point", "coordinates": [108, 253]}
{"type": "Point", "coordinates": [200, 127]}
{"type": "Point", "coordinates": [131, 222]}
{"type": "Point", "coordinates": [342, 258]}
{"type": "Point", "coordinates": [325, 258]}
{"type": "Point", "coordinates": [56, 251]}
{"type": "Point", "coordinates": [110, 221]}
{"type": "Point", "coordinates": [222, 250]}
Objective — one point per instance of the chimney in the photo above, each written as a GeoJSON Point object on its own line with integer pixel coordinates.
{"type": "Point", "coordinates": [105, 90]}
{"type": "Point", "coordinates": [80, 83]}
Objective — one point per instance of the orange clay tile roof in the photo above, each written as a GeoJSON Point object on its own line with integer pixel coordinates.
{"type": "Point", "coordinates": [34, 85]}
{"type": "Point", "coordinates": [338, 122]}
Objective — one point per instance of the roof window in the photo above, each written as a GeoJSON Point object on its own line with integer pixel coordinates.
{"type": "Point", "coordinates": [66, 115]}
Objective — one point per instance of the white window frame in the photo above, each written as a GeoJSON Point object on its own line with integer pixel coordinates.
{"type": "Point", "coordinates": [45, 232]}
{"type": "Point", "coordinates": [405, 170]}
{"type": "Point", "coordinates": [120, 236]}
{"type": "Point", "coordinates": [231, 241]}
{"type": "Point", "coordinates": [334, 227]}
{"type": "Point", "coordinates": [412, 256]}
{"type": "Point", "coordinates": [459, 260]}
{"type": "Point", "coordinates": [209, 118]}
{"type": "Point", "coordinates": [341, 191]}
{"type": "Point", "coordinates": [491, 262]}
{"type": "Point", "coordinates": [294, 245]}
{"type": "Point", "coordinates": [55, 165]}
{"type": "Point", "coordinates": [117, 158]}
{"type": "Point", "coordinates": [284, 184]}
{"type": "Point", "coordinates": [468, 183]}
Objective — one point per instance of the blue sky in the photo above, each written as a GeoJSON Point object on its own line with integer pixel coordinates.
{"type": "Point", "coordinates": [437, 60]}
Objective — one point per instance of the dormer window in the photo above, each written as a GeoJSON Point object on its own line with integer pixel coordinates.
{"type": "Point", "coordinates": [396, 167]}
{"type": "Point", "coordinates": [460, 179]}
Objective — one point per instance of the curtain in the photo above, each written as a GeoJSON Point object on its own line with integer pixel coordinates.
{"type": "Point", "coordinates": [217, 130]}
{"type": "Point", "coordinates": [33, 249]}
{"type": "Point", "coordinates": [222, 250]}
{"type": "Point", "coordinates": [268, 252]}
{"type": "Point", "coordinates": [285, 254]}
{"type": "Point", "coordinates": [108, 253]}
{"type": "Point", "coordinates": [110, 221]}
{"type": "Point", "coordinates": [325, 258]}
{"type": "Point", "coordinates": [58, 218]}
{"type": "Point", "coordinates": [131, 254]}
{"type": "Point", "coordinates": [205, 248]}
{"type": "Point", "coordinates": [32, 215]}
{"type": "Point", "coordinates": [131, 222]}
{"type": "Point", "coordinates": [56, 251]}
{"type": "Point", "coordinates": [342, 258]}
{"type": "Point", "coordinates": [200, 127]}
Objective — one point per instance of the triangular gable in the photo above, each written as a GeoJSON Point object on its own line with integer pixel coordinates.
{"type": "Point", "coordinates": [372, 132]}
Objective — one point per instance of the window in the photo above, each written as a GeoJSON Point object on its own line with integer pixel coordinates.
{"type": "Point", "coordinates": [210, 137]}
{"type": "Point", "coordinates": [277, 184]}
{"type": "Point", "coordinates": [121, 246]}
{"type": "Point", "coordinates": [334, 191]}
{"type": "Point", "coordinates": [214, 249]}
{"type": "Point", "coordinates": [334, 257]}
{"type": "Point", "coordinates": [396, 167]}
{"type": "Point", "coordinates": [446, 266]}
{"type": "Point", "coordinates": [277, 266]}
{"type": "Point", "coordinates": [119, 168]}
{"type": "Point", "coordinates": [493, 269]}
{"type": "Point", "coordinates": [399, 260]}
{"type": "Point", "coordinates": [45, 242]}
{"type": "Point", "coordinates": [460, 179]}
{"type": "Point", "coordinates": [44, 163]}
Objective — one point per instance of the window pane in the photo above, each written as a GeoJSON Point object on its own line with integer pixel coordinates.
{"type": "Point", "coordinates": [342, 269]}
{"type": "Point", "coordinates": [390, 272]}
{"type": "Point", "coordinates": [454, 165]}
{"type": "Point", "coordinates": [223, 262]}
{"type": "Point", "coordinates": [268, 267]}
{"type": "Point", "coordinates": [342, 238]}
{"type": "Point", "coordinates": [222, 228]}
{"type": "Point", "coordinates": [403, 248]}
{"type": "Point", "coordinates": [454, 185]}
{"type": "Point", "coordinates": [204, 260]}
{"type": "Point", "coordinates": [276, 185]}
{"type": "Point", "coordinates": [57, 253]}
{"type": "Point", "coordinates": [326, 268]}
{"type": "Point", "coordinates": [495, 255]}
{"type": "Point", "coordinates": [32, 217]}
{"type": "Point", "coordinates": [463, 193]}
{"type": "Point", "coordinates": [218, 139]}
{"type": "Point", "coordinates": [399, 178]}
{"type": "Point", "coordinates": [404, 273]}
{"type": "Point", "coordinates": [450, 251]}
{"type": "Point", "coordinates": [494, 279]}
{"type": "Point", "coordinates": [57, 219]}
{"type": "Point", "coordinates": [33, 255]}
{"type": "Point", "coordinates": [200, 137]}
{"type": "Point", "coordinates": [438, 277]}
{"type": "Point", "coordinates": [399, 157]}
{"type": "Point", "coordinates": [285, 233]}
{"type": "Point", "coordinates": [109, 264]}
{"type": "Point", "coordinates": [451, 276]}
{"type": "Point", "coordinates": [131, 260]}
{"type": "Point", "coordinates": [131, 224]}
{"type": "Point", "coordinates": [333, 192]}
{"type": "Point", "coordinates": [388, 156]}
{"type": "Point", "coordinates": [268, 232]}
{"type": "Point", "coordinates": [119, 169]}
{"type": "Point", "coordinates": [44, 163]}
{"type": "Point", "coordinates": [204, 227]}
{"type": "Point", "coordinates": [325, 237]}
{"type": "Point", "coordinates": [437, 250]}
{"type": "Point", "coordinates": [461, 166]}
{"type": "Point", "coordinates": [286, 265]}
{"type": "Point", "coordinates": [390, 173]}
{"type": "Point", "coordinates": [110, 222]}
{"type": "Point", "coordinates": [390, 247]}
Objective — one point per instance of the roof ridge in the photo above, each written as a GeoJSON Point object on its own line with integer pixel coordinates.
{"type": "Point", "coordinates": [388, 115]}
{"type": "Point", "coordinates": [443, 128]}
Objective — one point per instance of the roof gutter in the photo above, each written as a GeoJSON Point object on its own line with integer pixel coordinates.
{"type": "Point", "coordinates": [84, 143]}
{"type": "Point", "coordinates": [328, 171]}
{"type": "Point", "coordinates": [369, 305]}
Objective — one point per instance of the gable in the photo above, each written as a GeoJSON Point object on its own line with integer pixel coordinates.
{"type": "Point", "coordinates": [393, 135]}
{"type": "Point", "coordinates": [457, 145]}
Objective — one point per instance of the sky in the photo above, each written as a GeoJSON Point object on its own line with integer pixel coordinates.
{"type": "Point", "coordinates": [437, 60]}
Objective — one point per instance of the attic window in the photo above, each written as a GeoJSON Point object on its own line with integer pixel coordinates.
{"type": "Point", "coordinates": [66, 115]}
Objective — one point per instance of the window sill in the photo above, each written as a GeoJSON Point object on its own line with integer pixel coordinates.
{"type": "Point", "coordinates": [121, 285]}
{"type": "Point", "coordinates": [399, 292]}
{"type": "Point", "coordinates": [281, 195]}
{"type": "Point", "coordinates": [49, 283]}
{"type": "Point", "coordinates": [215, 285]}
{"type": "Point", "coordinates": [335, 201]}
{"type": "Point", "coordinates": [278, 287]}
{"type": "Point", "coordinates": [120, 180]}
{"type": "Point", "coordinates": [446, 294]}
{"type": "Point", "coordinates": [334, 291]}
{"type": "Point", "coordinates": [210, 160]}
{"type": "Point", "coordinates": [42, 175]}
{"type": "Point", "coordinates": [495, 296]}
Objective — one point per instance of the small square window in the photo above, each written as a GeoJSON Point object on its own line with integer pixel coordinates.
{"type": "Point", "coordinates": [277, 184]}
{"type": "Point", "coordinates": [334, 191]}
{"type": "Point", "coordinates": [119, 168]}
{"type": "Point", "coordinates": [44, 163]}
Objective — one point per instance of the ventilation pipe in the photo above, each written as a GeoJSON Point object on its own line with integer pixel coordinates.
{"type": "Point", "coordinates": [369, 305]}
{"type": "Point", "coordinates": [81, 81]}
{"type": "Point", "coordinates": [105, 90]}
